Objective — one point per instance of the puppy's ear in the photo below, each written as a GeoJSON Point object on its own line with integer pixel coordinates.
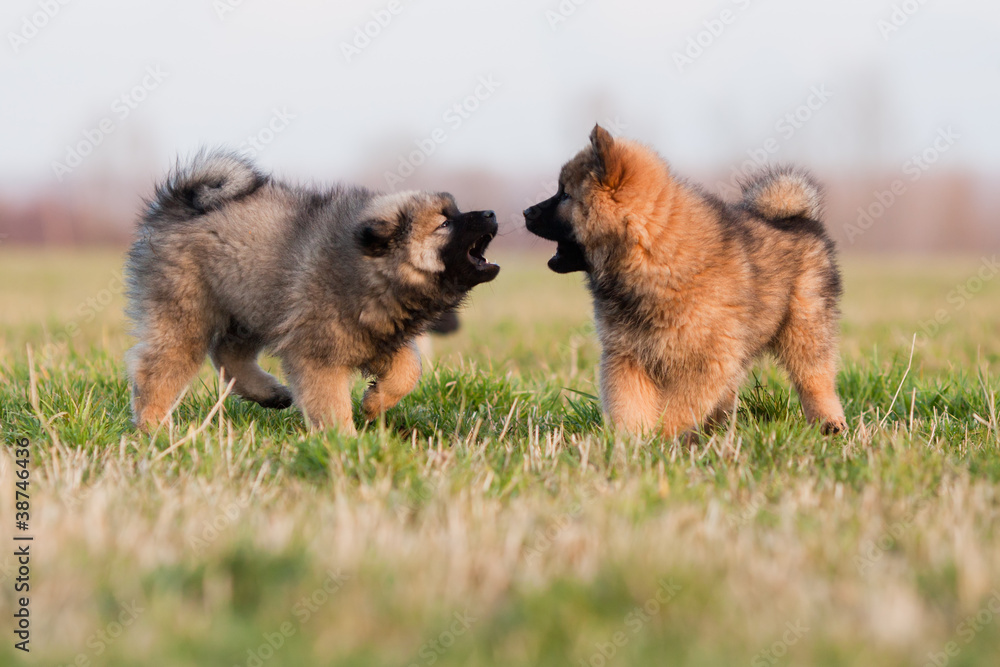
{"type": "Point", "coordinates": [602, 141]}
{"type": "Point", "coordinates": [610, 170]}
{"type": "Point", "coordinates": [377, 235]}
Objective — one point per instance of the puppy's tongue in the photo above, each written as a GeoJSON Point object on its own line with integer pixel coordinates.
{"type": "Point", "coordinates": [477, 253]}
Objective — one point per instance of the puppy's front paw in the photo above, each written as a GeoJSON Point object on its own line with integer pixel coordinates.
{"type": "Point", "coordinates": [834, 426]}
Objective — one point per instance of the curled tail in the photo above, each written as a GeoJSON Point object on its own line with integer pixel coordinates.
{"type": "Point", "coordinates": [783, 192]}
{"type": "Point", "coordinates": [208, 182]}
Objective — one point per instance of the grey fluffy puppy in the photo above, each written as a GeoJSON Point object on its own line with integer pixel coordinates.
{"type": "Point", "coordinates": [230, 261]}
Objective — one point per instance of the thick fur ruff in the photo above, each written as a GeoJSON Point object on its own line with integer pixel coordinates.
{"type": "Point", "coordinates": [689, 290]}
{"type": "Point", "coordinates": [230, 261]}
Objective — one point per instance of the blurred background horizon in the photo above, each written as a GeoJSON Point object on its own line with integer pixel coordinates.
{"type": "Point", "coordinates": [891, 103]}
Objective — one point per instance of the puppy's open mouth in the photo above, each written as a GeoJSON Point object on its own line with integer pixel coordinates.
{"type": "Point", "coordinates": [477, 252]}
{"type": "Point", "coordinates": [569, 257]}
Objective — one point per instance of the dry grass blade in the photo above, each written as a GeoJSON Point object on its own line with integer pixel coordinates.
{"type": "Point", "coordinates": [506, 423]}
{"type": "Point", "coordinates": [991, 405]}
{"type": "Point", "coordinates": [208, 420]}
{"type": "Point", "coordinates": [900, 387]}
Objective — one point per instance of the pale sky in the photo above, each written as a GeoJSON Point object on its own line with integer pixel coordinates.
{"type": "Point", "coordinates": [223, 78]}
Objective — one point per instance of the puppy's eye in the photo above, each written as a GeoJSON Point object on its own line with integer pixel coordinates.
{"type": "Point", "coordinates": [445, 225]}
{"type": "Point", "coordinates": [565, 196]}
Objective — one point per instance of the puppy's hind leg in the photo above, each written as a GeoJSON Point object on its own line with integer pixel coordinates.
{"type": "Point", "coordinates": [396, 382]}
{"type": "Point", "coordinates": [235, 355]}
{"type": "Point", "coordinates": [159, 368]}
{"type": "Point", "coordinates": [807, 348]}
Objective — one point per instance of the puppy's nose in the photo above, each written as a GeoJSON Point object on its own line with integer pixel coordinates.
{"type": "Point", "coordinates": [528, 212]}
{"type": "Point", "coordinates": [489, 215]}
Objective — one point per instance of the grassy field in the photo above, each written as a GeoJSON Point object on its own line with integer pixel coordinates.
{"type": "Point", "coordinates": [491, 520]}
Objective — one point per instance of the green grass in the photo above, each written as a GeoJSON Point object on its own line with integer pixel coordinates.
{"type": "Point", "coordinates": [491, 519]}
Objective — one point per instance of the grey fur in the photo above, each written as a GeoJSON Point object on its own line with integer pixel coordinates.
{"type": "Point", "coordinates": [230, 261]}
{"type": "Point", "coordinates": [209, 181]}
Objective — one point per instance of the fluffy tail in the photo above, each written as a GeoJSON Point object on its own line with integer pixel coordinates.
{"type": "Point", "coordinates": [208, 182]}
{"type": "Point", "coordinates": [778, 193]}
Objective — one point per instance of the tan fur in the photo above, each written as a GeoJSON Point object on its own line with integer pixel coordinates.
{"type": "Point", "coordinates": [686, 297]}
{"type": "Point", "coordinates": [323, 392]}
{"type": "Point", "coordinates": [783, 192]}
{"type": "Point", "coordinates": [397, 381]}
